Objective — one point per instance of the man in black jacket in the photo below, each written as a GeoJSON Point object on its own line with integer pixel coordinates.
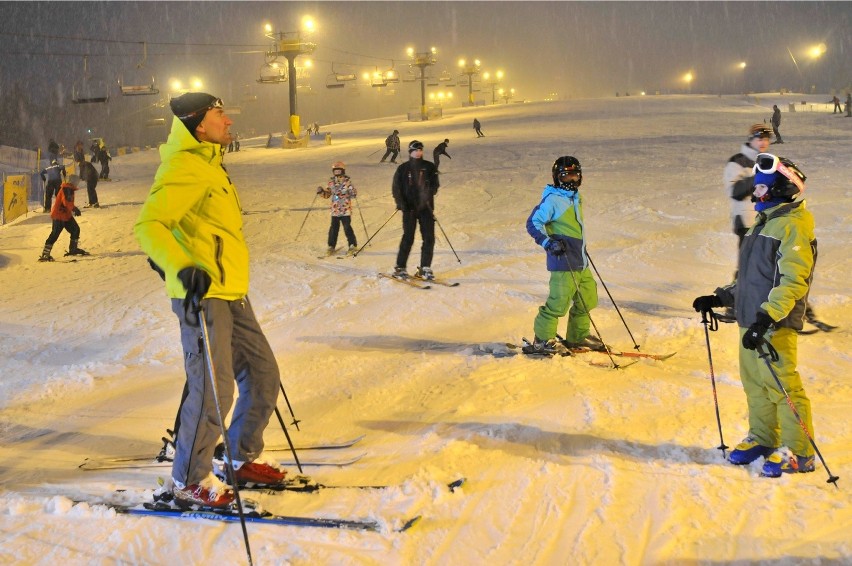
{"type": "Point", "coordinates": [776, 123]}
{"type": "Point", "coordinates": [415, 184]}
{"type": "Point", "coordinates": [440, 149]}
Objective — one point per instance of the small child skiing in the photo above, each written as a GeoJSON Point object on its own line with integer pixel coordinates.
{"type": "Point", "coordinates": [341, 191]}
{"type": "Point", "coordinates": [63, 213]}
{"type": "Point", "coordinates": [556, 224]}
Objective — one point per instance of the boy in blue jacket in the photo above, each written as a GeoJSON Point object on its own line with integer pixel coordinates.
{"type": "Point", "coordinates": [556, 224]}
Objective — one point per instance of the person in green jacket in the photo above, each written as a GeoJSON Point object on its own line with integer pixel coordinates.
{"type": "Point", "coordinates": [190, 226]}
{"type": "Point", "coordinates": [769, 296]}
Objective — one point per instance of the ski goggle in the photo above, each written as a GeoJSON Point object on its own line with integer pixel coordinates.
{"type": "Point", "coordinates": [766, 163]}
{"type": "Point", "coordinates": [215, 104]}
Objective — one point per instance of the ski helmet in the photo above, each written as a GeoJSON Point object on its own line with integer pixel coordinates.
{"type": "Point", "coordinates": [777, 178]}
{"type": "Point", "coordinates": [338, 165]}
{"type": "Point", "coordinates": [414, 145]}
{"type": "Point", "coordinates": [567, 164]}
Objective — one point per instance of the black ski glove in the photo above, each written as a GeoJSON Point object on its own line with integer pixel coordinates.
{"type": "Point", "coordinates": [556, 247]}
{"type": "Point", "coordinates": [77, 212]}
{"type": "Point", "coordinates": [704, 303]}
{"type": "Point", "coordinates": [753, 338]}
{"type": "Point", "coordinates": [196, 281]}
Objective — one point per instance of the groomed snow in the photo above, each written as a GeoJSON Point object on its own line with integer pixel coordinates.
{"type": "Point", "coordinates": [566, 463]}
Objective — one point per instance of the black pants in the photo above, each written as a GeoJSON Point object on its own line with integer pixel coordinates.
{"type": "Point", "coordinates": [777, 135]}
{"type": "Point", "coordinates": [410, 219]}
{"type": "Point", "coordinates": [436, 159]}
{"type": "Point", "coordinates": [58, 225]}
{"type": "Point", "coordinates": [334, 230]}
{"type": "Point", "coordinates": [104, 170]}
{"type": "Point", "coordinates": [49, 192]}
{"type": "Point", "coordinates": [395, 152]}
{"type": "Point", "coordinates": [91, 185]}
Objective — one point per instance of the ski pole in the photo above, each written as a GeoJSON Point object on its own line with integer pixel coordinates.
{"type": "Point", "coordinates": [375, 152]}
{"type": "Point", "coordinates": [374, 235]}
{"type": "Point", "coordinates": [591, 320]}
{"type": "Point", "coordinates": [771, 352]}
{"type": "Point", "coordinates": [306, 216]}
{"type": "Point", "coordinates": [445, 237]}
{"type": "Point", "coordinates": [205, 338]}
{"type": "Point", "coordinates": [713, 324]}
{"type": "Point", "coordinates": [289, 441]}
{"type": "Point", "coordinates": [289, 407]}
{"type": "Point", "coordinates": [358, 205]}
{"type": "Point", "coordinates": [635, 345]}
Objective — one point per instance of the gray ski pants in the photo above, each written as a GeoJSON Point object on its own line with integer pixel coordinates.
{"type": "Point", "coordinates": [242, 355]}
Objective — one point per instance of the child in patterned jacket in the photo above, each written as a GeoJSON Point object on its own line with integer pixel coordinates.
{"type": "Point", "coordinates": [341, 191]}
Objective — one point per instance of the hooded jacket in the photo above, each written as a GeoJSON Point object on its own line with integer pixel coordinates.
{"type": "Point", "coordinates": [559, 215]}
{"type": "Point", "coordinates": [192, 217]}
{"type": "Point", "coordinates": [63, 207]}
{"type": "Point", "coordinates": [776, 267]}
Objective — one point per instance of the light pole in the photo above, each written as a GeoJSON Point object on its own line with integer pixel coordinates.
{"type": "Point", "coordinates": [290, 45]}
{"type": "Point", "coordinates": [422, 60]}
{"type": "Point", "coordinates": [493, 81]}
{"type": "Point", "coordinates": [469, 71]}
{"type": "Point", "coordinates": [688, 78]}
{"type": "Point", "coordinates": [507, 95]}
{"type": "Point", "coordinates": [815, 53]}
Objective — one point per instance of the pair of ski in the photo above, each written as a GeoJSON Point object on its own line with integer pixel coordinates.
{"type": "Point", "coordinates": [418, 283]}
{"type": "Point", "coordinates": [529, 350]}
{"type": "Point", "coordinates": [147, 461]}
{"type": "Point", "coordinates": [166, 510]}
{"type": "Point", "coordinates": [344, 255]}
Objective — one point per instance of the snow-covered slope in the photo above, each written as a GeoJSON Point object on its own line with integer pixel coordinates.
{"type": "Point", "coordinates": [566, 463]}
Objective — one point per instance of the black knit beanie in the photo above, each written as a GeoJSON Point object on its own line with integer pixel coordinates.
{"type": "Point", "coordinates": [190, 108]}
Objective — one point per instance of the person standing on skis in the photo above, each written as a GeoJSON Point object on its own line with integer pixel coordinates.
{"type": "Point", "coordinates": [415, 185]}
{"type": "Point", "coordinates": [556, 224]}
{"type": "Point", "coordinates": [190, 226]}
{"type": "Point", "coordinates": [341, 191]}
{"type": "Point", "coordinates": [769, 295]}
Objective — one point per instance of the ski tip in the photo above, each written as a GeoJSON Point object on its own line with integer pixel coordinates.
{"type": "Point", "coordinates": [454, 485]}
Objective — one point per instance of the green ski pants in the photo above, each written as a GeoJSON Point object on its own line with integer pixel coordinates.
{"type": "Point", "coordinates": [574, 289]}
{"type": "Point", "coordinates": [770, 420]}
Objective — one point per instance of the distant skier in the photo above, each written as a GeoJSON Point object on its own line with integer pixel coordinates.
{"type": "Point", "coordinates": [776, 123]}
{"type": "Point", "coordinates": [79, 154]}
{"type": "Point", "coordinates": [89, 174]}
{"type": "Point", "coordinates": [837, 107]}
{"type": "Point", "coordinates": [776, 268]}
{"type": "Point", "coordinates": [440, 149]}
{"type": "Point", "coordinates": [104, 158]}
{"type": "Point", "coordinates": [477, 127]}
{"type": "Point", "coordinates": [52, 176]}
{"type": "Point", "coordinates": [341, 191]}
{"type": "Point", "coordinates": [392, 145]}
{"type": "Point", "coordinates": [556, 224]}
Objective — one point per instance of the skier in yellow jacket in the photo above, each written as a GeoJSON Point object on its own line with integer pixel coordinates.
{"type": "Point", "coordinates": [191, 227]}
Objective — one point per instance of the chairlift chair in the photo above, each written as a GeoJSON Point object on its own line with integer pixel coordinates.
{"type": "Point", "coordinates": [331, 81]}
{"type": "Point", "coordinates": [88, 89]}
{"type": "Point", "coordinates": [409, 77]}
{"type": "Point", "coordinates": [134, 86]}
{"type": "Point", "coordinates": [272, 73]}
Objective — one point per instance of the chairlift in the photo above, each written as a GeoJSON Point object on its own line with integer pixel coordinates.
{"type": "Point", "coordinates": [377, 79]}
{"type": "Point", "coordinates": [332, 82]}
{"type": "Point", "coordinates": [89, 90]}
{"type": "Point", "coordinates": [272, 73]}
{"type": "Point", "coordinates": [432, 81]}
{"type": "Point", "coordinates": [409, 77]}
{"type": "Point", "coordinates": [445, 77]}
{"type": "Point", "coordinates": [464, 80]}
{"type": "Point", "coordinates": [136, 87]}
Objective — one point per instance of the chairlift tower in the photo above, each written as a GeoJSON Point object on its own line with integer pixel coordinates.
{"type": "Point", "coordinates": [290, 45]}
{"type": "Point", "coordinates": [469, 71]}
{"type": "Point", "coordinates": [493, 81]}
{"type": "Point", "coordinates": [422, 60]}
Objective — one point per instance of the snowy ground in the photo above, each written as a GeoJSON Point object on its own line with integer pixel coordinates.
{"type": "Point", "coordinates": [566, 463]}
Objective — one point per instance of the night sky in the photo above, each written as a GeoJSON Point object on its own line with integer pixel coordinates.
{"type": "Point", "coordinates": [583, 49]}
